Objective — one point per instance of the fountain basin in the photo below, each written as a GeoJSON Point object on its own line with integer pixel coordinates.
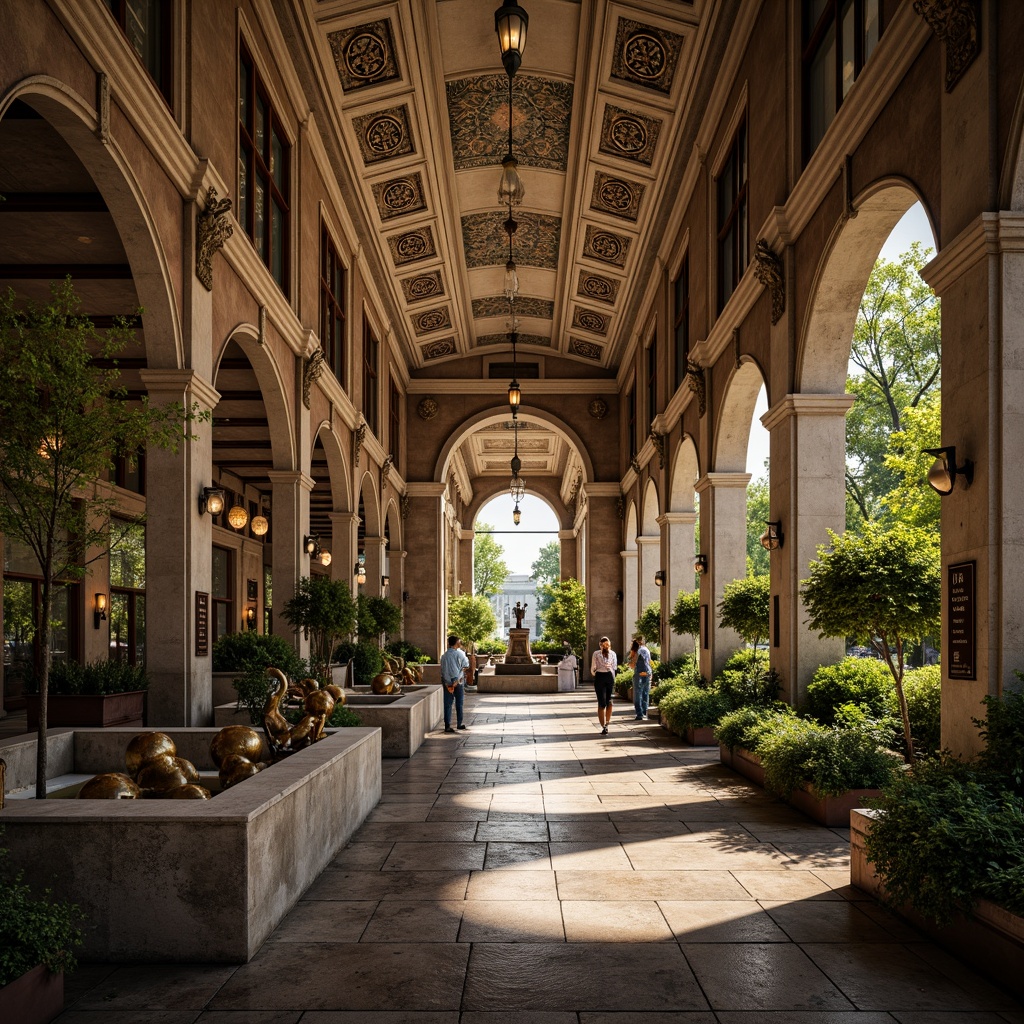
{"type": "Point", "coordinates": [167, 880]}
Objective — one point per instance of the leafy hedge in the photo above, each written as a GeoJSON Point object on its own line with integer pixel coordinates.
{"type": "Point", "coordinates": [691, 707]}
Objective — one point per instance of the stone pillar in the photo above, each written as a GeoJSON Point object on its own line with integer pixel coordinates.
{"type": "Point", "coordinates": [723, 525]}
{"type": "Point", "coordinates": [344, 546]}
{"type": "Point", "coordinates": [808, 496]}
{"type": "Point", "coordinates": [290, 490]}
{"type": "Point", "coordinates": [375, 549]}
{"type": "Point", "coordinates": [630, 590]}
{"type": "Point", "coordinates": [649, 562]}
{"type": "Point", "coordinates": [678, 530]}
{"type": "Point", "coordinates": [568, 559]}
{"type": "Point", "coordinates": [464, 569]}
{"type": "Point", "coordinates": [178, 557]}
{"type": "Point", "coordinates": [602, 531]}
{"type": "Point", "coordinates": [979, 276]}
{"type": "Point", "coordinates": [426, 619]}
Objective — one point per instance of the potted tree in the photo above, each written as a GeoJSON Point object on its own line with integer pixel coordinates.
{"type": "Point", "coordinates": [65, 418]}
{"type": "Point", "coordinates": [37, 937]}
{"type": "Point", "coordinates": [325, 612]}
{"type": "Point", "coordinates": [97, 695]}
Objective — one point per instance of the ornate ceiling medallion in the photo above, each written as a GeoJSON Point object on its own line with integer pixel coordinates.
{"type": "Point", "coordinates": [594, 286]}
{"type": "Point", "coordinates": [432, 320]}
{"type": "Point", "coordinates": [424, 286]}
{"type": "Point", "coordinates": [537, 239]}
{"type": "Point", "coordinates": [384, 134]}
{"type": "Point", "coordinates": [629, 135]}
{"type": "Point", "coordinates": [588, 320]}
{"type": "Point", "coordinates": [616, 196]}
{"type": "Point", "coordinates": [587, 349]}
{"type": "Point", "coordinates": [598, 407]}
{"type": "Point", "coordinates": [412, 246]}
{"type": "Point", "coordinates": [427, 409]}
{"type": "Point", "coordinates": [436, 349]}
{"type": "Point", "coordinates": [606, 246]}
{"type": "Point", "coordinates": [645, 55]}
{"type": "Point", "coordinates": [364, 55]}
{"type": "Point", "coordinates": [399, 196]}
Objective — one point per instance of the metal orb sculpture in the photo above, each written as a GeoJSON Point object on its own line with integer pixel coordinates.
{"type": "Point", "coordinates": [236, 739]}
{"type": "Point", "coordinates": [189, 792]}
{"type": "Point", "coordinates": [238, 772]}
{"type": "Point", "coordinates": [388, 681]}
{"type": "Point", "coordinates": [147, 746]}
{"type": "Point", "coordinates": [336, 692]}
{"type": "Point", "coordinates": [162, 775]}
{"type": "Point", "coordinates": [110, 786]}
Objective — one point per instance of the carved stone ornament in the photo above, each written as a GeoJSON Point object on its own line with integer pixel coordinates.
{"type": "Point", "coordinates": [570, 503]}
{"type": "Point", "coordinates": [357, 442]}
{"type": "Point", "coordinates": [213, 229]}
{"type": "Point", "coordinates": [698, 385]}
{"type": "Point", "coordinates": [404, 506]}
{"type": "Point", "coordinates": [658, 440]}
{"type": "Point", "coordinates": [385, 470]}
{"type": "Point", "coordinates": [770, 273]}
{"type": "Point", "coordinates": [312, 368]}
{"type": "Point", "coordinates": [261, 337]}
{"type": "Point", "coordinates": [427, 409]}
{"type": "Point", "coordinates": [634, 464]}
{"type": "Point", "coordinates": [956, 23]}
{"type": "Point", "coordinates": [598, 408]}
{"type": "Point", "coordinates": [620, 507]}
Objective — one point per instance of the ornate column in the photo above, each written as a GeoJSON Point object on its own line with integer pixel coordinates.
{"type": "Point", "coordinates": [178, 557]}
{"type": "Point", "coordinates": [630, 589]}
{"type": "Point", "coordinates": [426, 619]}
{"type": "Point", "coordinates": [464, 569]}
{"type": "Point", "coordinates": [808, 497]}
{"type": "Point", "coordinates": [290, 490]}
{"type": "Point", "coordinates": [375, 549]}
{"type": "Point", "coordinates": [344, 546]}
{"type": "Point", "coordinates": [723, 529]}
{"type": "Point", "coordinates": [568, 558]}
{"type": "Point", "coordinates": [678, 530]}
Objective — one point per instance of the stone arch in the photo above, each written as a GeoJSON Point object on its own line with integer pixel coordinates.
{"type": "Point", "coordinates": [733, 434]}
{"type": "Point", "coordinates": [488, 488]}
{"type": "Point", "coordinates": [631, 528]}
{"type": "Point", "coordinates": [337, 466]}
{"type": "Point", "coordinates": [372, 521]}
{"type": "Point", "coordinates": [823, 352]}
{"type": "Point", "coordinates": [1011, 179]}
{"type": "Point", "coordinates": [651, 509]}
{"type": "Point", "coordinates": [685, 470]}
{"type": "Point", "coordinates": [74, 119]}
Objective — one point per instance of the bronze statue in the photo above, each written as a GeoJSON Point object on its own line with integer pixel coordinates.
{"type": "Point", "coordinates": [519, 611]}
{"type": "Point", "coordinates": [283, 737]}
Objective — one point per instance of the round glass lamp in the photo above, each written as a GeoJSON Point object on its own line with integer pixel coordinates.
{"type": "Point", "coordinates": [237, 517]}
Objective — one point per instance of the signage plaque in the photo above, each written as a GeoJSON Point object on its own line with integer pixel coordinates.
{"type": "Point", "coordinates": [202, 624]}
{"type": "Point", "coordinates": [960, 620]}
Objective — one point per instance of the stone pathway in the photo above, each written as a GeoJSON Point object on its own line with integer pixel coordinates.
{"type": "Point", "coordinates": [532, 871]}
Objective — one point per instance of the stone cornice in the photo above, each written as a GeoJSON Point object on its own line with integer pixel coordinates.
{"type": "Point", "coordinates": [806, 405]}
{"type": "Point", "coordinates": [711, 481]}
{"type": "Point", "coordinates": [186, 383]}
{"type": "Point", "coordinates": [990, 234]}
{"type": "Point", "coordinates": [678, 518]}
{"type": "Point", "coordinates": [291, 476]}
{"type": "Point", "coordinates": [601, 490]}
{"type": "Point", "coordinates": [425, 489]}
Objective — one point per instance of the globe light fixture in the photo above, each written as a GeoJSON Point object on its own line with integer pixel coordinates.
{"type": "Point", "coordinates": [259, 525]}
{"type": "Point", "coordinates": [237, 517]}
{"type": "Point", "coordinates": [700, 565]}
{"type": "Point", "coordinates": [325, 558]}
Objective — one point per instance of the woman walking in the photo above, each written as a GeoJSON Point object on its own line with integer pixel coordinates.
{"type": "Point", "coordinates": [602, 667]}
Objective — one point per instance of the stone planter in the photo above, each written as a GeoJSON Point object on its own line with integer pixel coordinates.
{"type": "Point", "coordinates": [89, 711]}
{"type": "Point", "coordinates": [831, 811]}
{"type": "Point", "coordinates": [989, 938]}
{"type": "Point", "coordinates": [700, 736]}
{"type": "Point", "coordinates": [35, 998]}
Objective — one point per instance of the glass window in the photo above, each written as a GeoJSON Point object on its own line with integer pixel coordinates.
{"type": "Point", "coordinates": [652, 378]}
{"type": "Point", "coordinates": [263, 173]}
{"type": "Point", "coordinates": [731, 201]}
{"type": "Point", "coordinates": [127, 614]}
{"type": "Point", "coordinates": [681, 296]}
{"type": "Point", "coordinates": [147, 24]}
{"type": "Point", "coordinates": [394, 422]}
{"type": "Point", "coordinates": [332, 307]}
{"type": "Point", "coordinates": [222, 617]}
{"type": "Point", "coordinates": [130, 472]}
{"type": "Point", "coordinates": [371, 354]}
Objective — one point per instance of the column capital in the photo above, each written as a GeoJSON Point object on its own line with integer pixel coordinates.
{"type": "Point", "coordinates": [677, 518]}
{"type": "Point", "coordinates": [343, 518]}
{"type": "Point", "coordinates": [989, 234]}
{"type": "Point", "coordinates": [425, 489]}
{"type": "Point", "coordinates": [593, 489]}
{"type": "Point", "coordinates": [806, 405]}
{"type": "Point", "coordinates": [626, 555]}
{"type": "Point", "coordinates": [566, 534]}
{"type": "Point", "coordinates": [643, 541]}
{"type": "Point", "coordinates": [175, 383]}
{"type": "Point", "coordinates": [291, 477]}
{"type": "Point", "coordinates": [721, 481]}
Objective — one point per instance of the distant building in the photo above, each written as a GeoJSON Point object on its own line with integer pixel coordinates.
{"type": "Point", "coordinates": [522, 588]}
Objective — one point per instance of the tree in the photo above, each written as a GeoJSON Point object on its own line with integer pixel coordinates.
{"type": "Point", "coordinates": [489, 568]}
{"type": "Point", "coordinates": [896, 347]}
{"type": "Point", "coordinates": [546, 569]}
{"type": "Point", "coordinates": [64, 419]}
{"type": "Point", "coordinates": [758, 514]}
{"type": "Point", "coordinates": [649, 623]}
{"type": "Point", "coordinates": [566, 617]}
{"type": "Point", "coordinates": [912, 501]}
{"type": "Point", "coordinates": [325, 611]}
{"type": "Point", "coordinates": [471, 617]}
{"type": "Point", "coordinates": [377, 618]}
{"type": "Point", "coordinates": [685, 617]}
{"type": "Point", "coordinates": [744, 608]}
{"type": "Point", "coordinates": [882, 588]}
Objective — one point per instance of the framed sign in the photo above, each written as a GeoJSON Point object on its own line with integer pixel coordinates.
{"type": "Point", "coordinates": [251, 590]}
{"type": "Point", "coordinates": [961, 619]}
{"type": "Point", "coordinates": [202, 624]}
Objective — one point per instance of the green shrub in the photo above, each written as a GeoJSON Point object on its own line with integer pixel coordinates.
{"type": "Point", "coordinates": [623, 681]}
{"type": "Point", "coordinates": [673, 682]}
{"type": "Point", "coordinates": [410, 652]}
{"type": "Point", "coordinates": [923, 690]}
{"type": "Point", "coordinates": [97, 677]}
{"type": "Point", "coordinates": [863, 681]}
{"type": "Point", "coordinates": [947, 836]}
{"type": "Point", "coordinates": [342, 717]}
{"type": "Point", "coordinates": [692, 707]}
{"type": "Point", "coordinates": [34, 929]}
{"type": "Point", "coordinates": [367, 660]}
{"type": "Point", "coordinates": [236, 652]}
{"type": "Point", "coordinates": [674, 668]}
{"type": "Point", "coordinates": [747, 681]}
{"type": "Point", "coordinates": [1003, 732]}
{"type": "Point", "coordinates": [744, 726]}
{"type": "Point", "coordinates": [491, 645]}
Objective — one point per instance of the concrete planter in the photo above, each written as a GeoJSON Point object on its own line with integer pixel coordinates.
{"type": "Point", "coordinates": [989, 938]}
{"type": "Point", "coordinates": [700, 736]}
{"type": "Point", "coordinates": [832, 811]}
{"type": "Point", "coordinates": [35, 998]}
{"type": "Point", "coordinates": [88, 710]}
{"type": "Point", "coordinates": [158, 880]}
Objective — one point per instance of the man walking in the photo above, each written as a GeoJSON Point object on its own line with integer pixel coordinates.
{"type": "Point", "coordinates": [454, 665]}
{"type": "Point", "coordinates": [642, 680]}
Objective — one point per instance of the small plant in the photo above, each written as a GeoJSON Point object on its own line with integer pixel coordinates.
{"type": "Point", "coordinates": [410, 652]}
{"type": "Point", "coordinates": [1003, 733]}
{"type": "Point", "coordinates": [367, 659]}
{"type": "Point", "coordinates": [325, 612]}
{"type": "Point", "coordinates": [692, 707]}
{"type": "Point", "coordinates": [342, 717]}
{"type": "Point", "coordinates": [864, 681]}
{"type": "Point", "coordinates": [34, 929]}
{"type": "Point", "coordinates": [236, 651]}
{"type": "Point", "coordinates": [744, 726]}
{"type": "Point", "coordinates": [96, 678]}
{"type": "Point", "coordinates": [747, 681]}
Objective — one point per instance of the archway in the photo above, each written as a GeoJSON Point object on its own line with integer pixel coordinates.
{"type": "Point", "coordinates": [678, 542]}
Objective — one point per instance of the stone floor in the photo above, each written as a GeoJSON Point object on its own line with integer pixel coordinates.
{"type": "Point", "coordinates": [533, 871]}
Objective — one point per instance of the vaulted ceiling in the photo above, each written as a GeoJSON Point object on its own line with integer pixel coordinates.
{"type": "Point", "coordinates": [598, 108]}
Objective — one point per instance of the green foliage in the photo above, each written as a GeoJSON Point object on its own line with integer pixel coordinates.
{"type": "Point", "coordinates": [471, 617]}
{"type": "Point", "coordinates": [747, 681]}
{"type": "Point", "coordinates": [377, 616]}
{"type": "Point", "coordinates": [623, 681]}
{"type": "Point", "coordinates": [744, 608]}
{"type": "Point", "coordinates": [236, 651]}
{"type": "Point", "coordinates": [410, 652]}
{"type": "Point", "coordinates": [758, 514]}
{"type": "Point", "coordinates": [545, 570]}
{"type": "Point", "coordinates": [911, 500]}
{"type": "Point", "coordinates": [965, 830]}
{"type": "Point", "coordinates": [675, 668]}
{"type": "Point", "coordinates": [34, 929]}
{"type": "Point", "coordinates": [685, 617]}
{"type": "Point", "coordinates": [649, 623]}
{"type": "Point", "coordinates": [491, 645]}
{"type": "Point", "coordinates": [367, 659]}
{"type": "Point", "coordinates": [882, 588]}
{"type": "Point", "coordinates": [693, 707]}
{"type": "Point", "coordinates": [489, 568]}
{"type": "Point", "coordinates": [325, 612]}
{"type": "Point", "coordinates": [745, 726]}
{"type": "Point", "coordinates": [688, 677]}
{"type": "Point", "coordinates": [566, 618]}
{"type": "Point", "coordinates": [98, 677]}
{"type": "Point", "coordinates": [863, 681]}
{"type": "Point", "coordinates": [1003, 732]}
{"type": "Point", "coordinates": [923, 690]}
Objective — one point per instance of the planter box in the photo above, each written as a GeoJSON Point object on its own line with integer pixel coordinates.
{"type": "Point", "coordinates": [89, 711]}
{"type": "Point", "coordinates": [832, 811]}
{"type": "Point", "coordinates": [990, 938]}
{"type": "Point", "coordinates": [35, 998]}
{"type": "Point", "coordinates": [700, 736]}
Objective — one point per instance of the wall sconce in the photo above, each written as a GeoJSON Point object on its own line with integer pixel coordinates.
{"type": "Point", "coordinates": [250, 618]}
{"type": "Point", "coordinates": [99, 610]}
{"type": "Point", "coordinates": [618, 596]}
{"type": "Point", "coordinates": [360, 571]}
{"type": "Point", "coordinates": [237, 517]}
{"type": "Point", "coordinates": [325, 558]}
{"type": "Point", "coordinates": [259, 525]}
{"type": "Point", "coordinates": [212, 501]}
{"type": "Point", "coordinates": [943, 475]}
{"type": "Point", "coordinates": [405, 596]}
{"type": "Point", "coordinates": [700, 565]}
{"type": "Point", "coordinates": [385, 582]}
{"type": "Point", "coordinates": [311, 545]}
{"type": "Point", "coordinates": [772, 537]}
{"type": "Point", "coordinates": [659, 578]}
